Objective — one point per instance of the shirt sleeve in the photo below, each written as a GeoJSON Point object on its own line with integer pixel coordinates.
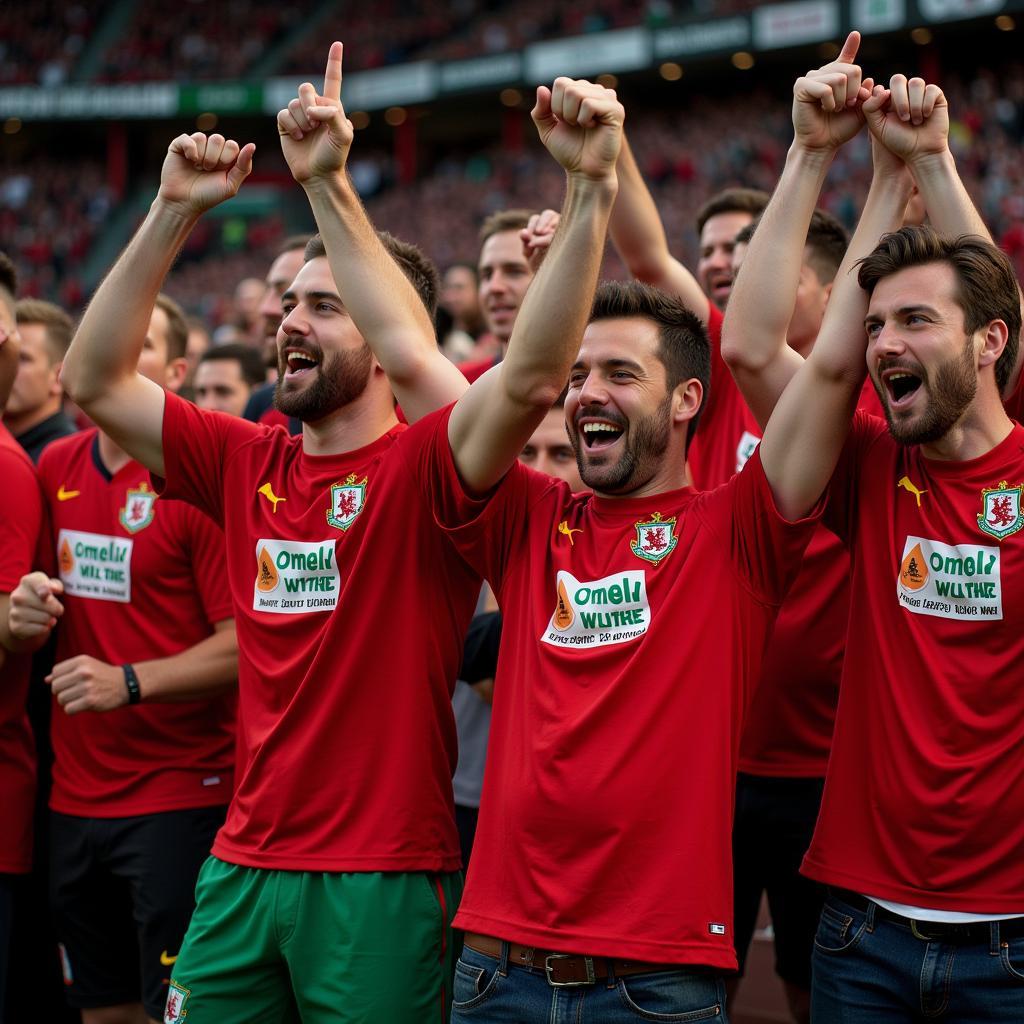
{"type": "Point", "coordinates": [197, 444]}
{"type": "Point", "coordinates": [486, 530]}
{"type": "Point", "coordinates": [843, 488]}
{"type": "Point", "coordinates": [766, 548]}
{"type": "Point", "coordinates": [21, 517]}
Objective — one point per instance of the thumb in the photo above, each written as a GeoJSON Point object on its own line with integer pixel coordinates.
{"type": "Point", "coordinates": [241, 167]}
{"type": "Point", "coordinates": [541, 113]}
{"type": "Point", "coordinates": [849, 51]}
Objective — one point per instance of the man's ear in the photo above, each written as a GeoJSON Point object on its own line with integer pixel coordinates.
{"type": "Point", "coordinates": [174, 376]}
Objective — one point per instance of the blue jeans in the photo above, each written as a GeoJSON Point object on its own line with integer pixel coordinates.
{"type": "Point", "coordinates": [868, 969]}
{"type": "Point", "coordinates": [489, 989]}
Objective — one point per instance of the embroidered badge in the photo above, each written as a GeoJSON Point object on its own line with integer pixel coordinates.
{"type": "Point", "coordinates": [177, 997]}
{"type": "Point", "coordinates": [137, 513]}
{"type": "Point", "coordinates": [1001, 514]}
{"type": "Point", "coordinates": [347, 501]}
{"type": "Point", "coordinates": [654, 538]}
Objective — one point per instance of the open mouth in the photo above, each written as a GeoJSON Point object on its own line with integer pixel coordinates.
{"type": "Point", "coordinates": [299, 362]}
{"type": "Point", "coordinates": [900, 386]}
{"type": "Point", "coordinates": [599, 434]}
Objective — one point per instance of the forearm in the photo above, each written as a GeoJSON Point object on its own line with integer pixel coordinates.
{"type": "Point", "coordinates": [950, 208]}
{"type": "Point", "coordinates": [639, 236]}
{"type": "Point", "coordinates": [550, 325]}
{"type": "Point", "coordinates": [109, 339]}
{"type": "Point", "coordinates": [764, 293]}
{"type": "Point", "coordinates": [204, 670]}
{"type": "Point", "coordinates": [381, 300]}
{"type": "Point", "coordinates": [805, 433]}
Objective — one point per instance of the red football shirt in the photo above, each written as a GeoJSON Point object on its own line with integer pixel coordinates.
{"type": "Point", "coordinates": [143, 579]}
{"type": "Point", "coordinates": [789, 727]}
{"type": "Point", "coordinates": [924, 798]}
{"type": "Point", "coordinates": [351, 608]}
{"type": "Point", "coordinates": [21, 516]}
{"type": "Point", "coordinates": [633, 631]}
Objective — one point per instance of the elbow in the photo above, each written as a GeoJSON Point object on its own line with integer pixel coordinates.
{"type": "Point", "coordinates": [539, 394]}
{"type": "Point", "coordinates": [740, 357]}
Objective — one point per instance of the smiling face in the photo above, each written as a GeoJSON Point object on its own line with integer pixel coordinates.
{"type": "Point", "coordinates": [922, 363]}
{"type": "Point", "coordinates": [323, 361]}
{"type": "Point", "coordinates": [618, 410]}
{"type": "Point", "coordinates": [714, 267]}
{"type": "Point", "coordinates": [504, 277]}
{"type": "Point", "coordinates": [280, 276]}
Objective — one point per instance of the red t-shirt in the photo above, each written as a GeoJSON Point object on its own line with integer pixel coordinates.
{"type": "Point", "coordinates": [924, 798]}
{"type": "Point", "coordinates": [21, 517]}
{"type": "Point", "coordinates": [351, 608]}
{"type": "Point", "coordinates": [476, 368]}
{"type": "Point", "coordinates": [143, 579]}
{"type": "Point", "coordinates": [633, 631]}
{"type": "Point", "coordinates": [789, 727]}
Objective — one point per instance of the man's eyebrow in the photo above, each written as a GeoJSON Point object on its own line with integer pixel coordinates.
{"type": "Point", "coordinates": [291, 294]}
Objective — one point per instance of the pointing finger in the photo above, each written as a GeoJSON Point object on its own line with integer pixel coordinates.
{"type": "Point", "coordinates": [332, 77]}
{"type": "Point", "coordinates": [849, 51]}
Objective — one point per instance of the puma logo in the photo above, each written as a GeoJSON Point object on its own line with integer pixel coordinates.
{"type": "Point", "coordinates": [907, 485]}
{"type": "Point", "coordinates": [268, 492]}
{"type": "Point", "coordinates": [566, 531]}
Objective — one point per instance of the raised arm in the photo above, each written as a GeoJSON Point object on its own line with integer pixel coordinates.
{"type": "Point", "coordinates": [826, 115]}
{"type": "Point", "coordinates": [315, 139]}
{"type": "Point", "coordinates": [581, 125]}
{"type": "Point", "coordinates": [914, 127]}
{"type": "Point", "coordinates": [639, 237]}
{"type": "Point", "coordinates": [99, 371]}
{"type": "Point", "coordinates": [805, 433]}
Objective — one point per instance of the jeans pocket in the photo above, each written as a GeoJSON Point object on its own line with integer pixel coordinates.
{"type": "Point", "coordinates": [476, 977]}
{"type": "Point", "coordinates": [673, 996]}
{"type": "Point", "coordinates": [1012, 956]}
{"type": "Point", "coordinates": [839, 929]}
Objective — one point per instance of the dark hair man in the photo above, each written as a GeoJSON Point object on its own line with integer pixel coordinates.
{"type": "Point", "coordinates": [918, 864]}
{"type": "Point", "coordinates": [34, 411]}
{"type": "Point", "coordinates": [226, 376]}
{"type": "Point", "coordinates": [718, 222]}
{"type": "Point", "coordinates": [368, 858]}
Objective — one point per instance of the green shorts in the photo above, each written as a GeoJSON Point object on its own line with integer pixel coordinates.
{"type": "Point", "coordinates": [270, 947]}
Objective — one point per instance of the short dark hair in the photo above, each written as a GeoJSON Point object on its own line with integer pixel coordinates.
{"type": "Point", "coordinates": [8, 279]}
{"type": "Point", "coordinates": [411, 260]}
{"type": "Point", "coordinates": [827, 240]}
{"type": "Point", "coordinates": [250, 361]}
{"type": "Point", "coordinates": [291, 243]}
{"type": "Point", "coordinates": [59, 326]}
{"type": "Point", "coordinates": [732, 200]}
{"type": "Point", "coordinates": [683, 346]}
{"type": "Point", "coordinates": [504, 220]}
{"type": "Point", "coordinates": [987, 288]}
{"type": "Point", "coordinates": [177, 327]}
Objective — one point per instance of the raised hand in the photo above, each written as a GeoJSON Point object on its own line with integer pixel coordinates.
{"type": "Point", "coordinates": [201, 171]}
{"type": "Point", "coordinates": [910, 118]}
{"type": "Point", "coordinates": [826, 102]}
{"type": "Point", "coordinates": [315, 133]}
{"type": "Point", "coordinates": [581, 125]}
{"type": "Point", "coordinates": [537, 237]}
{"type": "Point", "coordinates": [34, 607]}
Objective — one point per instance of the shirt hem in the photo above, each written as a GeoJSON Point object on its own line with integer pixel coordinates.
{"type": "Point", "coordinates": [581, 943]}
{"type": "Point", "coordinates": [283, 861]}
{"type": "Point", "coordinates": [784, 771]}
{"type": "Point", "coordinates": [134, 809]}
{"type": "Point", "coordinates": [968, 903]}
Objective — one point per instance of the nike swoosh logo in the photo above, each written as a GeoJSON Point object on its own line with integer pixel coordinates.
{"type": "Point", "coordinates": [63, 495]}
{"type": "Point", "coordinates": [167, 960]}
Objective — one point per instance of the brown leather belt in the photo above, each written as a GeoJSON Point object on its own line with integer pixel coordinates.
{"type": "Point", "coordinates": [563, 969]}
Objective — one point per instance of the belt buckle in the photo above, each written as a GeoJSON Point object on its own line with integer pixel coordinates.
{"type": "Point", "coordinates": [587, 961]}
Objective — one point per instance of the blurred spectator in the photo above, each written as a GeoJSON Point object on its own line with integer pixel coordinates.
{"type": "Point", "coordinates": [34, 412]}
{"type": "Point", "coordinates": [460, 306]}
{"type": "Point", "coordinates": [226, 376]}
